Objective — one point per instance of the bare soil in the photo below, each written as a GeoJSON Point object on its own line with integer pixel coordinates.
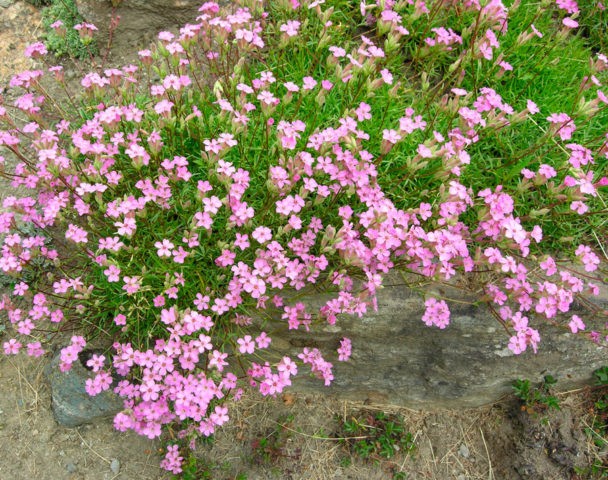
{"type": "Point", "coordinates": [291, 437]}
{"type": "Point", "coordinates": [295, 437]}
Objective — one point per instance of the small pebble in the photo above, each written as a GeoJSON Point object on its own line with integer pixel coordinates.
{"type": "Point", "coordinates": [70, 467]}
{"type": "Point", "coordinates": [464, 451]}
{"type": "Point", "coordinates": [115, 466]}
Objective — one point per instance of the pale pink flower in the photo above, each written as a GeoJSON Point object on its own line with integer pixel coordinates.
{"type": "Point", "coordinates": [576, 324]}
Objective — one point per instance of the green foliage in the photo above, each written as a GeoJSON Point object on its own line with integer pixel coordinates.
{"type": "Point", "coordinates": [593, 25]}
{"type": "Point", "coordinates": [270, 447]}
{"type": "Point", "coordinates": [39, 3]}
{"type": "Point", "coordinates": [596, 471]}
{"type": "Point", "coordinates": [601, 376]}
{"type": "Point", "coordinates": [426, 78]}
{"type": "Point", "coordinates": [551, 71]}
{"type": "Point", "coordinates": [598, 430]}
{"type": "Point", "coordinates": [195, 468]}
{"type": "Point", "coordinates": [536, 399]}
{"type": "Point", "coordinates": [69, 44]}
{"type": "Point", "coordinates": [371, 436]}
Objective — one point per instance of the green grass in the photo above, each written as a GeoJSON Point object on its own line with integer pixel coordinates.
{"type": "Point", "coordinates": [548, 70]}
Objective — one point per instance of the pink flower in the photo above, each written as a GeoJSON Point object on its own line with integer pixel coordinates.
{"type": "Point", "coordinates": [242, 241]}
{"type": "Point", "coordinates": [76, 234]}
{"type": "Point", "coordinates": [576, 324]}
{"type": "Point", "coordinates": [291, 87]}
{"type": "Point", "coordinates": [570, 6]}
{"type": "Point", "coordinates": [12, 347]}
{"type": "Point", "coordinates": [96, 362]}
{"type": "Point", "coordinates": [172, 461]}
{"type": "Point", "coordinates": [363, 112]}
{"type": "Point", "coordinates": [326, 85]}
{"type": "Point", "coordinates": [246, 344]}
{"type": "Point", "coordinates": [391, 136]}
{"type": "Point", "coordinates": [549, 266]}
{"type": "Point", "coordinates": [20, 289]}
{"type": "Point", "coordinates": [35, 50]}
{"type": "Point", "coordinates": [437, 313]}
{"type": "Point", "coordinates": [180, 254]}
{"type": "Point", "coordinates": [590, 260]}
{"type": "Point", "coordinates": [163, 107]}
{"type": "Point", "coordinates": [35, 349]}
{"type": "Point", "coordinates": [290, 28]}
{"type": "Point", "coordinates": [219, 415]}
{"type": "Point", "coordinates": [218, 360]}
{"type": "Point", "coordinates": [287, 367]}
{"type": "Point", "coordinates": [579, 207]}
{"type": "Point", "coordinates": [337, 52]}
{"type": "Point", "coordinates": [164, 248]}
{"type": "Point", "coordinates": [309, 83]}
{"type": "Point", "coordinates": [263, 340]}
{"type": "Point", "coordinates": [563, 125]}
{"type": "Point", "coordinates": [387, 76]}
{"type": "Point", "coordinates": [547, 171]}
{"type": "Point", "coordinates": [132, 284]}
{"type": "Point", "coordinates": [344, 351]}
{"type": "Point", "coordinates": [507, 67]}
{"type": "Point", "coordinates": [113, 273]}
{"type": "Point", "coordinates": [262, 234]}
{"type": "Point", "coordinates": [201, 302]}
{"type": "Point", "coordinates": [532, 107]}
{"type": "Point", "coordinates": [255, 286]}
{"type": "Point", "coordinates": [267, 98]}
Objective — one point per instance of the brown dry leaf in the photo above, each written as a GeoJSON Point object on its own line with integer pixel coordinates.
{"type": "Point", "coordinates": [288, 399]}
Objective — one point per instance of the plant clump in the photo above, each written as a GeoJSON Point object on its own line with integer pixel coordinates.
{"type": "Point", "coordinates": [59, 19]}
{"type": "Point", "coordinates": [597, 427]}
{"type": "Point", "coordinates": [536, 400]}
{"type": "Point", "coordinates": [274, 148]}
{"type": "Point", "coordinates": [379, 434]}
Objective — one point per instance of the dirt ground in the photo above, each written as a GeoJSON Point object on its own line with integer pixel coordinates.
{"type": "Point", "coordinates": [292, 437]}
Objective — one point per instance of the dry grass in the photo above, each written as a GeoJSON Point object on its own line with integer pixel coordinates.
{"type": "Point", "coordinates": [306, 429]}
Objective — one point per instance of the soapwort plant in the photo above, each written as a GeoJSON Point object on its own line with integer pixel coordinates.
{"type": "Point", "coordinates": [185, 203]}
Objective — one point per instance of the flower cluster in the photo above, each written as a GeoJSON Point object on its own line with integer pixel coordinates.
{"type": "Point", "coordinates": [186, 210]}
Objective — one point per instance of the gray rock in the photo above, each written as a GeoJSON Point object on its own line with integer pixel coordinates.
{"type": "Point", "coordinates": [70, 467]}
{"type": "Point", "coordinates": [140, 20]}
{"type": "Point", "coordinates": [6, 3]}
{"type": "Point", "coordinates": [115, 466]}
{"type": "Point", "coordinates": [398, 360]}
{"type": "Point", "coordinates": [463, 451]}
{"type": "Point", "coordinates": [72, 405]}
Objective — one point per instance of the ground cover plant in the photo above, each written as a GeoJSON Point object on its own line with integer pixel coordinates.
{"type": "Point", "coordinates": [59, 19]}
{"type": "Point", "coordinates": [536, 400]}
{"type": "Point", "coordinates": [597, 428]}
{"type": "Point", "coordinates": [177, 204]}
{"type": "Point", "coordinates": [375, 435]}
